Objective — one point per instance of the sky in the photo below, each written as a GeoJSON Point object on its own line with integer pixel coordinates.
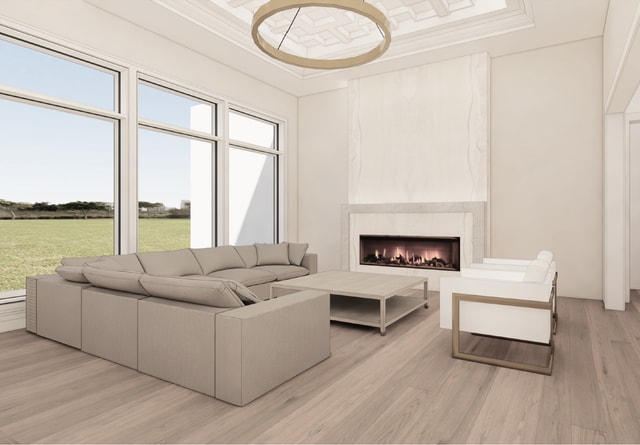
{"type": "Point", "coordinates": [53, 156]}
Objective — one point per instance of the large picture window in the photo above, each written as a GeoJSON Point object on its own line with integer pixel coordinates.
{"type": "Point", "coordinates": [176, 169]}
{"type": "Point", "coordinates": [253, 179]}
{"type": "Point", "coordinates": [57, 153]}
{"type": "Point", "coordinates": [89, 167]}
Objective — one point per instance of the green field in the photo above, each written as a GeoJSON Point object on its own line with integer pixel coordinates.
{"type": "Point", "coordinates": [35, 247]}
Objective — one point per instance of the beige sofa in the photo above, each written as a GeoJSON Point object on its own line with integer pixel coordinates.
{"type": "Point", "coordinates": [194, 317]}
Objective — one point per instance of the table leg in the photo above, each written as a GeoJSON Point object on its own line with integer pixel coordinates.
{"type": "Point", "coordinates": [426, 287]}
{"type": "Point", "coordinates": [383, 316]}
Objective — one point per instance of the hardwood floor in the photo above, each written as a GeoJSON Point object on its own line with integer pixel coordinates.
{"type": "Point", "coordinates": [400, 388]}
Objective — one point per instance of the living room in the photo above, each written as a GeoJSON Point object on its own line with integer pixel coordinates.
{"type": "Point", "coordinates": [536, 128]}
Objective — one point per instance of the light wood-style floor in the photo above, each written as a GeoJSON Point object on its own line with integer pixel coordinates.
{"type": "Point", "coordinates": [400, 388]}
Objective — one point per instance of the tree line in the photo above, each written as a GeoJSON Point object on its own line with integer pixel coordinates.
{"type": "Point", "coordinates": [85, 209]}
{"type": "Point", "coordinates": [15, 209]}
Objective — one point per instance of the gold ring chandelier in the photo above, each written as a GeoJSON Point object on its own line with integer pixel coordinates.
{"type": "Point", "coordinates": [359, 7]}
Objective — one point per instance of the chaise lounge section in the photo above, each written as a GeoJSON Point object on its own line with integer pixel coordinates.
{"type": "Point", "coordinates": [178, 316]}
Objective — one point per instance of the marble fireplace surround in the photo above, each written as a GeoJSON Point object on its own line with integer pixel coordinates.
{"type": "Point", "coordinates": [463, 219]}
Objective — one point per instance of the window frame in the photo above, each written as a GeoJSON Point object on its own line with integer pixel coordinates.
{"type": "Point", "coordinates": [277, 152]}
{"type": "Point", "coordinates": [126, 124]}
{"type": "Point", "coordinates": [115, 116]}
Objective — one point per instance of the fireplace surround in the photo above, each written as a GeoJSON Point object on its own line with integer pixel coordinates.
{"type": "Point", "coordinates": [464, 219]}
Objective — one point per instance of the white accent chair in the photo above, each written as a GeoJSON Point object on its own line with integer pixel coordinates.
{"type": "Point", "coordinates": [508, 298]}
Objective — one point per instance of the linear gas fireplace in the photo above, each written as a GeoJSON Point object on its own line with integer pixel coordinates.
{"type": "Point", "coordinates": [421, 252]}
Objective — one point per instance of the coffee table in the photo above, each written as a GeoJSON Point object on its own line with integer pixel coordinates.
{"type": "Point", "coordinates": [367, 299]}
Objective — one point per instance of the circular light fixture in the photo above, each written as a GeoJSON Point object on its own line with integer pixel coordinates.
{"type": "Point", "coordinates": [361, 8]}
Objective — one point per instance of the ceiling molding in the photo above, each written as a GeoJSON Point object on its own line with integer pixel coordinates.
{"type": "Point", "coordinates": [221, 31]}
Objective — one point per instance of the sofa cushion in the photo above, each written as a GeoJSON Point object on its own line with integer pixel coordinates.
{"type": "Point", "coordinates": [272, 254]}
{"type": "Point", "coordinates": [249, 255]}
{"type": "Point", "coordinates": [248, 277]}
{"type": "Point", "coordinates": [242, 292]}
{"type": "Point", "coordinates": [174, 263]}
{"type": "Point", "coordinates": [80, 261]}
{"type": "Point", "coordinates": [72, 273]}
{"type": "Point", "coordinates": [284, 272]}
{"type": "Point", "coordinates": [545, 255]}
{"type": "Point", "coordinates": [217, 258]}
{"type": "Point", "coordinates": [112, 274]}
{"type": "Point", "coordinates": [129, 262]}
{"type": "Point", "coordinates": [193, 289]}
{"type": "Point", "coordinates": [296, 252]}
{"type": "Point", "coordinates": [536, 271]}
{"type": "Point", "coordinates": [71, 268]}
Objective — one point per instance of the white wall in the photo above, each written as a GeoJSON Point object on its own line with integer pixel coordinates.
{"type": "Point", "coordinates": [90, 29]}
{"type": "Point", "coordinates": [546, 160]}
{"type": "Point", "coordinates": [323, 172]}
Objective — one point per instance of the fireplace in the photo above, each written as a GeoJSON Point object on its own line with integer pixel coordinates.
{"type": "Point", "coordinates": [417, 252]}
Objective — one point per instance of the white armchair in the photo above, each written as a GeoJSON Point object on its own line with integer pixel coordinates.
{"type": "Point", "coordinates": [514, 299]}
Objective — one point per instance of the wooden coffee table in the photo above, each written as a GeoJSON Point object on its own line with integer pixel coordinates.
{"type": "Point", "coordinates": [368, 299]}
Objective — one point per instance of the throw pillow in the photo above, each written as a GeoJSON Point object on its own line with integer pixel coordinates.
{"type": "Point", "coordinates": [170, 263]}
{"type": "Point", "coordinates": [198, 290]}
{"type": "Point", "coordinates": [248, 255]}
{"type": "Point", "coordinates": [272, 254]}
{"type": "Point", "coordinates": [242, 292]}
{"type": "Point", "coordinates": [72, 273]}
{"type": "Point", "coordinates": [111, 274]}
{"type": "Point", "coordinates": [297, 252]}
{"type": "Point", "coordinates": [128, 262]}
{"type": "Point", "coordinates": [80, 261]}
{"type": "Point", "coordinates": [72, 268]}
{"type": "Point", "coordinates": [212, 259]}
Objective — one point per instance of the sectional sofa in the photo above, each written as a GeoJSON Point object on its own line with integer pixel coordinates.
{"type": "Point", "coordinates": [200, 318]}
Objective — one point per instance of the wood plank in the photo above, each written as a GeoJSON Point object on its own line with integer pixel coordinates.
{"type": "Point", "coordinates": [554, 418]}
{"type": "Point", "coordinates": [400, 388]}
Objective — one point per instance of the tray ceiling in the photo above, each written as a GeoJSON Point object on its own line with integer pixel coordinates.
{"type": "Point", "coordinates": [422, 31]}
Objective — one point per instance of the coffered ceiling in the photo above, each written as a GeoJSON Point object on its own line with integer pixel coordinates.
{"type": "Point", "coordinates": [423, 31]}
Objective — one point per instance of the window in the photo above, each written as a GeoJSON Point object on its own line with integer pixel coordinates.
{"type": "Point", "coordinates": [176, 169]}
{"type": "Point", "coordinates": [57, 150]}
{"type": "Point", "coordinates": [253, 179]}
{"type": "Point", "coordinates": [72, 176]}
{"type": "Point", "coordinates": [44, 72]}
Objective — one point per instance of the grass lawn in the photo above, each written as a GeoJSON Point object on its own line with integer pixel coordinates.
{"type": "Point", "coordinates": [35, 247]}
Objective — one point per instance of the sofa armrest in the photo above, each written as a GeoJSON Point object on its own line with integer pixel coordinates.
{"type": "Point", "coordinates": [261, 346]}
{"type": "Point", "coordinates": [310, 261]}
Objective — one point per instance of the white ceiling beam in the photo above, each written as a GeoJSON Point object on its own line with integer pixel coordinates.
{"type": "Point", "coordinates": [441, 7]}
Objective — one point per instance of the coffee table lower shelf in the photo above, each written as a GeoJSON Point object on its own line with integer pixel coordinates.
{"type": "Point", "coordinates": [366, 312]}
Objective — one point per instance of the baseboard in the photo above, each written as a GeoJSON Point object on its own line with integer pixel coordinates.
{"type": "Point", "coordinates": [12, 316]}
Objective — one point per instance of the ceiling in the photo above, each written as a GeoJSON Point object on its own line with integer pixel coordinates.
{"type": "Point", "coordinates": [423, 31]}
